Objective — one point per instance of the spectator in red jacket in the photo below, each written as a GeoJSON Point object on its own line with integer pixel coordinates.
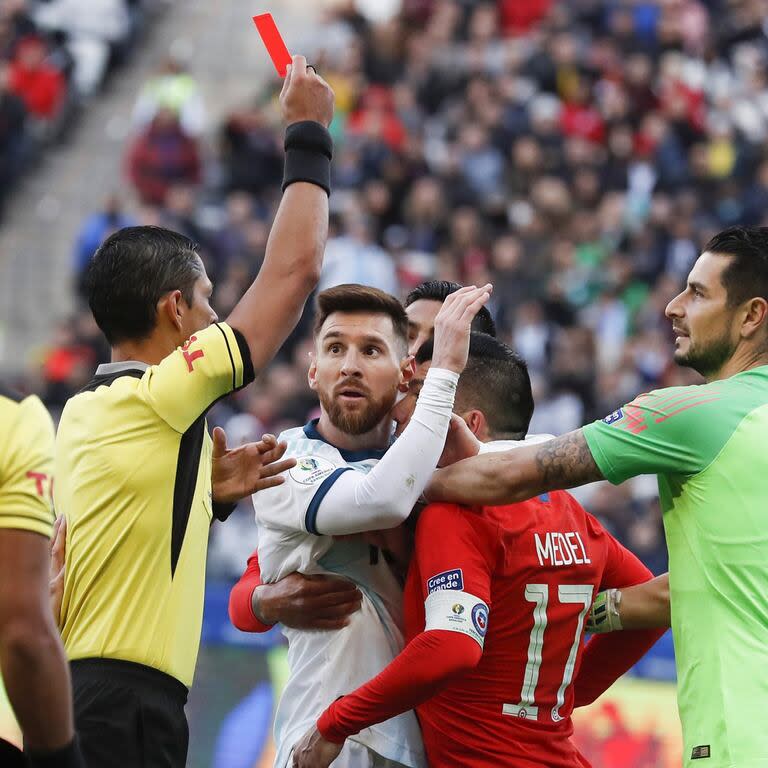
{"type": "Point", "coordinates": [162, 156]}
{"type": "Point", "coordinates": [41, 86]}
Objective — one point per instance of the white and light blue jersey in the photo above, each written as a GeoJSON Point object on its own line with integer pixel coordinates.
{"type": "Point", "coordinates": [327, 664]}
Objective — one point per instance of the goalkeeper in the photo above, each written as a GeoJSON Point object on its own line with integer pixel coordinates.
{"type": "Point", "coordinates": [707, 445]}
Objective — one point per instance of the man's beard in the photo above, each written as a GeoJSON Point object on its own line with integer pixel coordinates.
{"type": "Point", "coordinates": [362, 420]}
{"type": "Point", "coordinates": [706, 359]}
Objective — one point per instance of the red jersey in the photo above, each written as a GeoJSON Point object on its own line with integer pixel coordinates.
{"type": "Point", "coordinates": [491, 660]}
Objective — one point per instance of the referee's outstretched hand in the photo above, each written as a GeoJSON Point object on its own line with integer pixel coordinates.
{"type": "Point", "coordinates": [243, 471]}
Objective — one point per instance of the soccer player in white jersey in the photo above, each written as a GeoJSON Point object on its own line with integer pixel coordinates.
{"type": "Point", "coordinates": [325, 602]}
{"type": "Point", "coordinates": [344, 484]}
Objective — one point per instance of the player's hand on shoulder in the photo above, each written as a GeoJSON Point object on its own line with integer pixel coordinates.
{"type": "Point", "coordinates": [307, 602]}
{"type": "Point", "coordinates": [243, 471]}
{"type": "Point", "coordinates": [460, 443]}
{"type": "Point", "coordinates": [56, 567]}
{"type": "Point", "coordinates": [313, 751]}
{"type": "Point", "coordinates": [453, 324]}
{"type": "Point", "coordinates": [305, 95]}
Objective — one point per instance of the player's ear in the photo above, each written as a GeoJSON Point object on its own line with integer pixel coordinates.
{"type": "Point", "coordinates": [755, 317]}
{"type": "Point", "coordinates": [476, 422]}
{"type": "Point", "coordinates": [407, 372]}
{"type": "Point", "coordinates": [172, 309]}
{"type": "Point", "coordinates": [312, 372]}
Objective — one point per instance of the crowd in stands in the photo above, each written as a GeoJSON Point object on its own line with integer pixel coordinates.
{"type": "Point", "coordinates": [575, 154]}
{"type": "Point", "coordinates": [54, 55]}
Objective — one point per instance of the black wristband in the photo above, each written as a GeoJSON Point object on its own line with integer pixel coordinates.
{"type": "Point", "coordinates": [223, 509]}
{"type": "Point", "coordinates": [308, 154]}
{"type": "Point", "coordinates": [66, 757]}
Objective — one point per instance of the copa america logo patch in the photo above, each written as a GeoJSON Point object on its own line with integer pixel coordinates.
{"type": "Point", "coordinates": [458, 609]}
{"type": "Point", "coordinates": [480, 619]}
{"type": "Point", "coordinates": [311, 469]}
{"type": "Point", "coordinates": [612, 418]}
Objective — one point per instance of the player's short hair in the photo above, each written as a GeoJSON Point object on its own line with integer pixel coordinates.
{"type": "Point", "coordinates": [440, 290]}
{"type": "Point", "coordinates": [352, 297]}
{"type": "Point", "coordinates": [494, 381]}
{"type": "Point", "coordinates": [746, 276]}
{"type": "Point", "coordinates": [131, 271]}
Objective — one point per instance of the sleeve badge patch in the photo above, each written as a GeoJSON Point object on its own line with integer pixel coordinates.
{"type": "Point", "coordinates": [480, 618]}
{"type": "Point", "coordinates": [453, 579]}
{"type": "Point", "coordinates": [310, 470]}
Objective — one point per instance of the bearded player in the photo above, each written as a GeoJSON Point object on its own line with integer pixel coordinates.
{"type": "Point", "coordinates": [348, 480]}
{"type": "Point", "coordinates": [326, 602]}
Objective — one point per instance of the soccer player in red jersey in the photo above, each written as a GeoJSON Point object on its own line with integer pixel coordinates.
{"type": "Point", "coordinates": [495, 604]}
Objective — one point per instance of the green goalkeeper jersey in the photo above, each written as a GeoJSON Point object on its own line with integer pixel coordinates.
{"type": "Point", "coordinates": [708, 444]}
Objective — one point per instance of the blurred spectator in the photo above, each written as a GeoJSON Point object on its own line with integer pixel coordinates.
{"type": "Point", "coordinates": [94, 231]}
{"type": "Point", "coordinates": [67, 366]}
{"type": "Point", "coordinates": [353, 257]}
{"type": "Point", "coordinates": [52, 53]}
{"type": "Point", "coordinates": [41, 86]}
{"type": "Point", "coordinates": [95, 30]}
{"type": "Point", "coordinates": [251, 152]}
{"type": "Point", "coordinates": [162, 155]}
{"type": "Point", "coordinates": [174, 89]}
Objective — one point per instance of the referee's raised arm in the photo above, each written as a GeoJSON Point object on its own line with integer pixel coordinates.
{"type": "Point", "coordinates": [271, 307]}
{"type": "Point", "coordinates": [135, 474]}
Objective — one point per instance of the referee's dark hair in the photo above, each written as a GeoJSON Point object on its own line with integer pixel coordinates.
{"type": "Point", "coordinates": [746, 277]}
{"type": "Point", "coordinates": [440, 290]}
{"type": "Point", "coordinates": [496, 382]}
{"type": "Point", "coordinates": [130, 273]}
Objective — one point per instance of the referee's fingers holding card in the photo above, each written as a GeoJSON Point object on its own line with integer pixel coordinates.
{"type": "Point", "coordinates": [305, 95]}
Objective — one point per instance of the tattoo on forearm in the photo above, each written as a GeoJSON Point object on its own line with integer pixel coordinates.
{"type": "Point", "coordinates": [566, 462]}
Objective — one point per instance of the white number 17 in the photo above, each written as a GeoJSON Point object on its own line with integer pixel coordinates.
{"type": "Point", "coordinates": [539, 595]}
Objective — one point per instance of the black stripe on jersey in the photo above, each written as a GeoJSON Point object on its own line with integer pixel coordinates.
{"type": "Point", "coordinates": [231, 359]}
{"type": "Point", "coordinates": [108, 378]}
{"type": "Point", "coordinates": [187, 468]}
{"type": "Point", "coordinates": [11, 394]}
{"type": "Point", "coordinates": [245, 355]}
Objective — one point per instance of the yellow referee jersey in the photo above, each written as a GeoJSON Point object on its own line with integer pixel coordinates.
{"type": "Point", "coordinates": [133, 459]}
{"type": "Point", "coordinates": [26, 464]}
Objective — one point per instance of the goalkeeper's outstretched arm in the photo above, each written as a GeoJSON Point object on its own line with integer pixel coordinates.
{"type": "Point", "coordinates": [643, 606]}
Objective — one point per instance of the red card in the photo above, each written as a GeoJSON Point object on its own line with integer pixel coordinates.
{"type": "Point", "coordinates": [273, 42]}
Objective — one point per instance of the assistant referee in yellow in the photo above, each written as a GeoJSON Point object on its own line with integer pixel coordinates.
{"type": "Point", "coordinates": [134, 461]}
{"type": "Point", "coordinates": [32, 660]}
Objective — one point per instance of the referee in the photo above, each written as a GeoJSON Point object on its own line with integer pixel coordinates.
{"type": "Point", "coordinates": [32, 659]}
{"type": "Point", "coordinates": [707, 444]}
{"type": "Point", "coordinates": [139, 479]}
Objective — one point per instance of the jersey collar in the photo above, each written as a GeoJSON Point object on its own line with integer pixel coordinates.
{"type": "Point", "coordinates": [310, 430]}
{"type": "Point", "coordinates": [109, 369]}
